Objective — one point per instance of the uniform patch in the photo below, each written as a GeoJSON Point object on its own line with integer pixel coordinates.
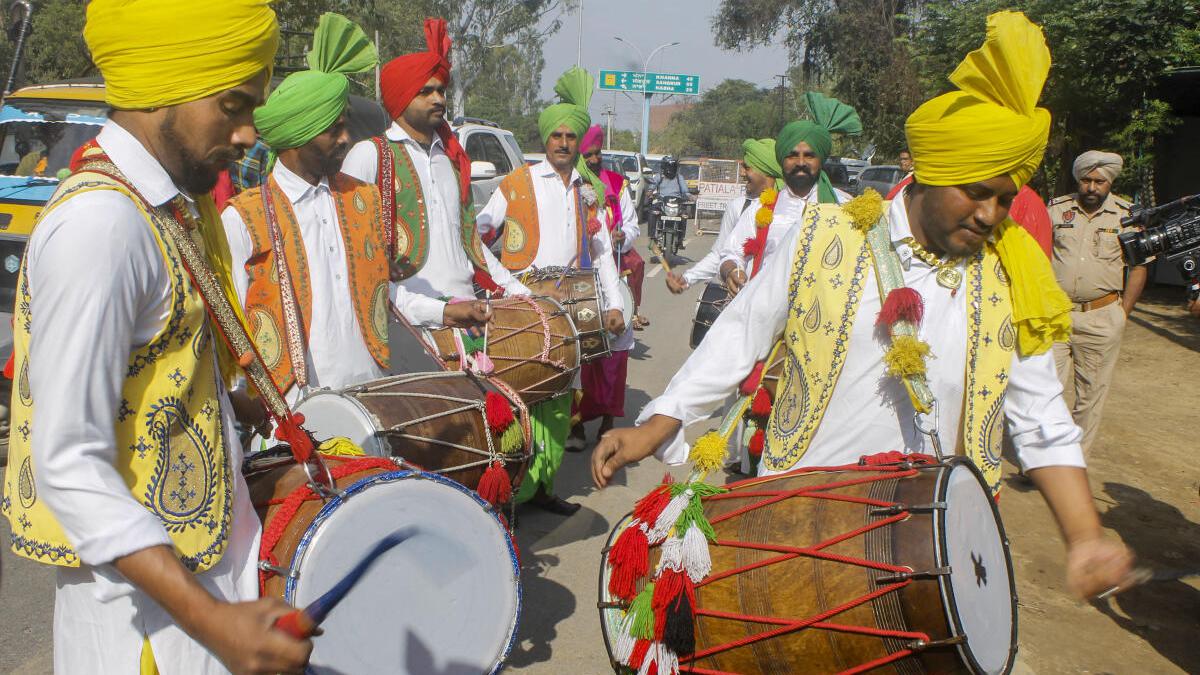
{"type": "Point", "coordinates": [1069, 216]}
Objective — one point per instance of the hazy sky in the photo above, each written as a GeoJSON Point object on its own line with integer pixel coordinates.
{"type": "Point", "coordinates": [647, 24]}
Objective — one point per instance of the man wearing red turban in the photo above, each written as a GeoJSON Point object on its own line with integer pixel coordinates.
{"type": "Point", "coordinates": [424, 179]}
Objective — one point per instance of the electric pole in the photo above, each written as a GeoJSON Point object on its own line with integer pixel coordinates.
{"type": "Point", "coordinates": [782, 84]}
{"type": "Point", "coordinates": [608, 113]}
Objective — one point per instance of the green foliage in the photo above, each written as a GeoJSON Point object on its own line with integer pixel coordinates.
{"type": "Point", "coordinates": [725, 115]}
{"type": "Point", "coordinates": [54, 50]}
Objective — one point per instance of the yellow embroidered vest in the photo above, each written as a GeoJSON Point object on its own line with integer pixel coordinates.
{"type": "Point", "coordinates": [828, 273]}
{"type": "Point", "coordinates": [169, 437]}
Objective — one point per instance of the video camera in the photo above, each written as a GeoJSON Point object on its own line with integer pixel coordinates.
{"type": "Point", "coordinates": [1171, 232]}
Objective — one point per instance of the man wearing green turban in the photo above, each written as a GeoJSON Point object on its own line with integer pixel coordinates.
{"type": "Point", "coordinates": [800, 151]}
{"type": "Point", "coordinates": [550, 216]}
{"type": "Point", "coordinates": [319, 311]}
{"type": "Point", "coordinates": [761, 171]}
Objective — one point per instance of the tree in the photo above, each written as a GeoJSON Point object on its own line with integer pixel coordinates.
{"type": "Point", "coordinates": [725, 115]}
{"type": "Point", "coordinates": [54, 49]}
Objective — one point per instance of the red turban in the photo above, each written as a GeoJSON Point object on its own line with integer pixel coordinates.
{"type": "Point", "coordinates": [404, 76]}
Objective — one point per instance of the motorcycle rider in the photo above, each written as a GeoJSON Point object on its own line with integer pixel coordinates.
{"type": "Point", "coordinates": [668, 184]}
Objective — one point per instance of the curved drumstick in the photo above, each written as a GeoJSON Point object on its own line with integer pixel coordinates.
{"type": "Point", "coordinates": [302, 623]}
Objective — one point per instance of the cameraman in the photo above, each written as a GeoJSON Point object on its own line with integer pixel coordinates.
{"type": "Point", "coordinates": [1090, 268]}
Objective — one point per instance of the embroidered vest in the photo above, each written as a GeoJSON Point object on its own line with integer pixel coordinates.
{"type": "Point", "coordinates": [169, 438]}
{"type": "Point", "coordinates": [828, 273]}
{"type": "Point", "coordinates": [399, 183]}
{"type": "Point", "coordinates": [521, 224]}
{"type": "Point", "coordinates": [358, 216]}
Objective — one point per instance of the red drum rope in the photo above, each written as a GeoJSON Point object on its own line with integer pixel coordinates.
{"type": "Point", "coordinates": [783, 626]}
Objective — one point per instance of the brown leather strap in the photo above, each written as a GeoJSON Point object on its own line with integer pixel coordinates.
{"type": "Point", "coordinates": [1102, 301]}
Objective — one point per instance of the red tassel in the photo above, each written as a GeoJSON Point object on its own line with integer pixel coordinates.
{"type": "Point", "coordinates": [653, 669]}
{"type": "Point", "coordinates": [640, 649]}
{"type": "Point", "coordinates": [648, 508]}
{"type": "Point", "coordinates": [494, 485]}
{"type": "Point", "coordinates": [757, 442]}
{"type": "Point", "coordinates": [761, 407]}
{"type": "Point", "coordinates": [902, 304]}
{"type": "Point", "coordinates": [667, 588]}
{"type": "Point", "coordinates": [630, 562]}
{"type": "Point", "coordinates": [751, 247]}
{"type": "Point", "coordinates": [499, 413]}
{"type": "Point", "coordinates": [750, 384]}
{"type": "Point", "coordinates": [487, 283]}
{"type": "Point", "coordinates": [9, 366]}
{"type": "Point", "coordinates": [291, 430]}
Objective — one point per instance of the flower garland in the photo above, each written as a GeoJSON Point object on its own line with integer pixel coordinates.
{"type": "Point", "coordinates": [756, 247]}
{"type": "Point", "coordinates": [590, 200]}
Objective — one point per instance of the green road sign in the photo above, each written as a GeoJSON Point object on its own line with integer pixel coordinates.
{"type": "Point", "coordinates": [653, 83]}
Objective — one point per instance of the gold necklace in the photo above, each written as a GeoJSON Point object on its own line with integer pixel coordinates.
{"type": "Point", "coordinates": [948, 275]}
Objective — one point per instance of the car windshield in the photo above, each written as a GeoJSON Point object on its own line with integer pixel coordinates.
{"type": "Point", "coordinates": [38, 138]}
{"type": "Point", "coordinates": [689, 171]}
{"type": "Point", "coordinates": [654, 164]}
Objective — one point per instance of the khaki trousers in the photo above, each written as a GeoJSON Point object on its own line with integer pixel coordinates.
{"type": "Point", "coordinates": [1085, 365]}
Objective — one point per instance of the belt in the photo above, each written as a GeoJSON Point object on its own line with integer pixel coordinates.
{"type": "Point", "coordinates": [1102, 301]}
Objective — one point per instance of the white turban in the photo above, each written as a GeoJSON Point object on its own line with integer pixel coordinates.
{"type": "Point", "coordinates": [1109, 164]}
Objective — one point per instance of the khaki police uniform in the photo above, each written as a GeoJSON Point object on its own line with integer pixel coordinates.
{"type": "Point", "coordinates": [1090, 269]}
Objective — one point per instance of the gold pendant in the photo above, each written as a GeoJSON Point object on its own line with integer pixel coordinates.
{"type": "Point", "coordinates": [949, 277]}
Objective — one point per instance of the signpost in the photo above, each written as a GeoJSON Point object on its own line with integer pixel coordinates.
{"type": "Point", "coordinates": [649, 84]}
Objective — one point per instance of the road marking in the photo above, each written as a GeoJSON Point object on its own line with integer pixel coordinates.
{"type": "Point", "coordinates": [654, 272]}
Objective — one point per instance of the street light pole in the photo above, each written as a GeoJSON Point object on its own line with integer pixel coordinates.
{"type": "Point", "coordinates": [646, 94]}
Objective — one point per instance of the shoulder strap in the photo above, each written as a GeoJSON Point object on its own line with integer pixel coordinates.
{"type": "Point", "coordinates": [385, 180]}
{"type": "Point", "coordinates": [292, 322]}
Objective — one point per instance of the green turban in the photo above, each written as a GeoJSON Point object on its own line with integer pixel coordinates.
{"type": "Point", "coordinates": [830, 116]}
{"type": "Point", "coordinates": [574, 89]}
{"type": "Point", "coordinates": [760, 156]}
{"type": "Point", "coordinates": [306, 103]}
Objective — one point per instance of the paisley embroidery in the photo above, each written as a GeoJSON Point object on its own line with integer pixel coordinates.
{"type": "Point", "coordinates": [812, 320]}
{"type": "Point", "coordinates": [379, 312]}
{"type": "Point", "coordinates": [833, 254]}
{"type": "Point", "coordinates": [26, 489]}
{"type": "Point", "coordinates": [514, 236]}
{"type": "Point", "coordinates": [793, 407]}
{"type": "Point", "coordinates": [266, 337]}
{"type": "Point", "coordinates": [1001, 273]}
{"type": "Point", "coordinates": [1007, 335]}
{"type": "Point", "coordinates": [23, 389]}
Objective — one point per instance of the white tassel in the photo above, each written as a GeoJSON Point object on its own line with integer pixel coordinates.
{"type": "Point", "coordinates": [672, 555]}
{"type": "Point", "coordinates": [694, 555]}
{"type": "Point", "coordinates": [666, 660]}
{"type": "Point", "coordinates": [625, 641]}
{"type": "Point", "coordinates": [670, 514]}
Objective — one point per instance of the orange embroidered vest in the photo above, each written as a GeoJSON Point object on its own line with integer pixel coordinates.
{"type": "Point", "coordinates": [359, 219]}
{"type": "Point", "coordinates": [521, 225]}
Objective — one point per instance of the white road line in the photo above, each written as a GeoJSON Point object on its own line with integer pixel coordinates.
{"type": "Point", "coordinates": [654, 271]}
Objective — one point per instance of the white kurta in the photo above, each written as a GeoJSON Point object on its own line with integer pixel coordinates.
{"type": "Point", "coordinates": [102, 290]}
{"type": "Point", "coordinates": [630, 228]}
{"type": "Point", "coordinates": [869, 411]}
{"type": "Point", "coordinates": [710, 265]}
{"type": "Point", "coordinates": [337, 354]}
{"type": "Point", "coordinates": [558, 244]}
{"type": "Point", "coordinates": [447, 272]}
{"type": "Point", "coordinates": [788, 210]}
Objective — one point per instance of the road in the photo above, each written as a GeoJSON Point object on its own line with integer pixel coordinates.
{"type": "Point", "coordinates": [1143, 474]}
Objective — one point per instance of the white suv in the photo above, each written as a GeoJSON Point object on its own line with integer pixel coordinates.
{"type": "Point", "coordinates": [494, 153]}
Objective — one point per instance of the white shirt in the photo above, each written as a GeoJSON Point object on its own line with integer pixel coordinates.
{"type": "Point", "coordinates": [337, 354]}
{"type": "Point", "coordinates": [100, 291]}
{"type": "Point", "coordinates": [447, 272]}
{"type": "Point", "coordinates": [869, 411]}
{"type": "Point", "coordinates": [710, 265]}
{"type": "Point", "coordinates": [788, 209]}
{"type": "Point", "coordinates": [630, 228]}
{"type": "Point", "coordinates": [558, 244]}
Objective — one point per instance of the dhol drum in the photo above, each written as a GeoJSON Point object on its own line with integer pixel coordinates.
{"type": "Point", "coordinates": [898, 569]}
{"type": "Point", "coordinates": [531, 342]}
{"type": "Point", "coordinates": [448, 599]}
{"type": "Point", "coordinates": [584, 302]}
{"type": "Point", "coordinates": [626, 311]}
{"type": "Point", "coordinates": [436, 421]}
{"type": "Point", "coordinates": [710, 305]}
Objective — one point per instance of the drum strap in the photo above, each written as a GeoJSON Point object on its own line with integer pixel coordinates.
{"type": "Point", "coordinates": [293, 327]}
{"type": "Point", "coordinates": [386, 181]}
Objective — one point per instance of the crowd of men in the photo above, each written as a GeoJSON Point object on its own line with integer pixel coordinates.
{"type": "Point", "coordinates": [135, 293]}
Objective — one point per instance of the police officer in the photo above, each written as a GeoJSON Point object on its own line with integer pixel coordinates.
{"type": "Point", "coordinates": [1089, 267]}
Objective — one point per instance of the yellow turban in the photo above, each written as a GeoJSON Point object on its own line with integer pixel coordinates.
{"type": "Point", "coordinates": [991, 126]}
{"type": "Point", "coordinates": [155, 53]}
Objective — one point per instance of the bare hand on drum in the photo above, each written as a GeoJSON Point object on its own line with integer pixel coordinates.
{"type": "Point", "coordinates": [614, 321]}
{"type": "Point", "coordinates": [1095, 566]}
{"type": "Point", "coordinates": [619, 447]}
{"type": "Point", "coordinates": [675, 283]}
{"type": "Point", "coordinates": [736, 281]}
{"type": "Point", "coordinates": [243, 636]}
{"type": "Point", "coordinates": [475, 313]}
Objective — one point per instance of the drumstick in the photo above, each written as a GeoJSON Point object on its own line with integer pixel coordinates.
{"type": "Point", "coordinates": [302, 623]}
{"type": "Point", "coordinates": [662, 258]}
{"type": "Point", "coordinates": [563, 274]}
{"type": "Point", "coordinates": [1145, 575]}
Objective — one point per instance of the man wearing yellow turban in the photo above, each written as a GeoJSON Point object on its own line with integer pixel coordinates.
{"type": "Point", "coordinates": [550, 214]}
{"type": "Point", "coordinates": [125, 469]}
{"type": "Point", "coordinates": [800, 152]}
{"type": "Point", "coordinates": [922, 325]}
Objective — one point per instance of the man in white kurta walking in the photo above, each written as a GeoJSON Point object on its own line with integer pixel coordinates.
{"type": "Point", "coordinates": [863, 362]}
{"type": "Point", "coordinates": [152, 526]}
{"type": "Point", "coordinates": [550, 213]}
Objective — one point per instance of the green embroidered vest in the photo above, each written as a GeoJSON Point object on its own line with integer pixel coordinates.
{"type": "Point", "coordinates": [827, 282]}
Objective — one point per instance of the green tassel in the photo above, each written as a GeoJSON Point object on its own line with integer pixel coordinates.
{"type": "Point", "coordinates": [473, 344]}
{"type": "Point", "coordinates": [693, 513]}
{"type": "Point", "coordinates": [641, 624]}
{"type": "Point", "coordinates": [513, 439]}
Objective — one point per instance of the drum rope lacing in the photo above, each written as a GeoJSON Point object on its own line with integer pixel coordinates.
{"type": "Point", "coordinates": [547, 333]}
{"type": "Point", "coordinates": [819, 621]}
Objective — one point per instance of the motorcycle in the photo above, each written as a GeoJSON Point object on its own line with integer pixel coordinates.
{"type": "Point", "coordinates": [668, 222]}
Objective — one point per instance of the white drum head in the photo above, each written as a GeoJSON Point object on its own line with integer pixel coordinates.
{"type": "Point", "coordinates": [627, 312]}
{"type": "Point", "coordinates": [446, 600]}
{"type": "Point", "coordinates": [329, 414]}
{"type": "Point", "coordinates": [979, 596]}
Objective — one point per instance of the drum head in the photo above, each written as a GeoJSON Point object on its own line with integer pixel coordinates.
{"type": "Point", "coordinates": [330, 414]}
{"type": "Point", "coordinates": [446, 600]}
{"type": "Point", "coordinates": [979, 595]}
